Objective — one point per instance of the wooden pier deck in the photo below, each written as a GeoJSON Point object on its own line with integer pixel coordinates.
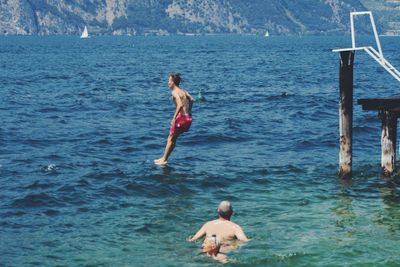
{"type": "Point", "coordinates": [382, 103]}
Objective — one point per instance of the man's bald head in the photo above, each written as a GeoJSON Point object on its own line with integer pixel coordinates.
{"type": "Point", "coordinates": [225, 210]}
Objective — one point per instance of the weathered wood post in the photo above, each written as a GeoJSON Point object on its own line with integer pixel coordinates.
{"type": "Point", "coordinates": [346, 113]}
{"type": "Point", "coordinates": [389, 112]}
{"type": "Point", "coordinates": [388, 141]}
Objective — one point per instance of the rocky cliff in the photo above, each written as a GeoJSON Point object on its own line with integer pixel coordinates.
{"type": "Point", "coordinates": [133, 17]}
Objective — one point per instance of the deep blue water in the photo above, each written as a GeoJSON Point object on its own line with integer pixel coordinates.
{"type": "Point", "coordinates": [82, 121]}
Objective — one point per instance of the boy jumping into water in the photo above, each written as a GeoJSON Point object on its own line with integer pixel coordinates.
{"type": "Point", "coordinates": [182, 118]}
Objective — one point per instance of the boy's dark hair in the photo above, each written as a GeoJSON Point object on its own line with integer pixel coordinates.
{"type": "Point", "coordinates": [176, 78]}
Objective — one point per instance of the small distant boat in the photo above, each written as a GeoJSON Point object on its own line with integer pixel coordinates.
{"type": "Point", "coordinates": [266, 34]}
{"type": "Point", "coordinates": [85, 33]}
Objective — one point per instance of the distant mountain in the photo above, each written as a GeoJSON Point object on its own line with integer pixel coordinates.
{"type": "Point", "coordinates": [387, 13]}
{"type": "Point", "coordinates": [160, 17]}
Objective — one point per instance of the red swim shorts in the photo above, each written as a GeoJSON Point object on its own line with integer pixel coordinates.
{"type": "Point", "coordinates": [182, 124]}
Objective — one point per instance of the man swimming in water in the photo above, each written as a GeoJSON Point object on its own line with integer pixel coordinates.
{"type": "Point", "coordinates": [182, 118]}
{"type": "Point", "coordinates": [224, 230]}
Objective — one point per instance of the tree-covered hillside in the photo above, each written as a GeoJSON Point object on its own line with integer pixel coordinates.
{"type": "Point", "coordinates": [132, 17]}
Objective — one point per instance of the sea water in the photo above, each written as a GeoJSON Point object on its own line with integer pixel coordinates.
{"type": "Point", "coordinates": [83, 120]}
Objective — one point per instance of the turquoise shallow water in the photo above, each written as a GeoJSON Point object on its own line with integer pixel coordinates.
{"type": "Point", "coordinates": [82, 121]}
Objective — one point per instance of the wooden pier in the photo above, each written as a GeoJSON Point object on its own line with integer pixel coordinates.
{"type": "Point", "coordinates": [388, 107]}
{"type": "Point", "coordinates": [389, 110]}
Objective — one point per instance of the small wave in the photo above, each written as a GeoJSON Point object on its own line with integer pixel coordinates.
{"type": "Point", "coordinates": [53, 257]}
{"type": "Point", "coordinates": [145, 229]}
{"type": "Point", "coordinates": [39, 185]}
{"type": "Point", "coordinates": [280, 96]}
{"type": "Point", "coordinates": [152, 146]}
{"type": "Point", "coordinates": [83, 209]}
{"type": "Point", "coordinates": [52, 157]}
{"type": "Point", "coordinates": [5, 224]}
{"type": "Point", "coordinates": [142, 139]}
{"type": "Point", "coordinates": [35, 142]}
{"type": "Point", "coordinates": [56, 77]}
{"type": "Point", "coordinates": [36, 200]}
{"type": "Point", "coordinates": [286, 169]}
{"type": "Point", "coordinates": [102, 142]}
{"type": "Point", "coordinates": [83, 183]}
{"type": "Point", "coordinates": [67, 189]}
{"type": "Point", "coordinates": [215, 182]}
{"type": "Point", "coordinates": [126, 205]}
{"type": "Point", "coordinates": [233, 124]}
{"type": "Point", "coordinates": [51, 213]}
{"type": "Point", "coordinates": [255, 172]}
{"type": "Point", "coordinates": [207, 139]}
{"type": "Point", "coordinates": [290, 255]}
{"type": "Point", "coordinates": [128, 149]}
{"type": "Point", "coordinates": [48, 110]}
{"type": "Point", "coordinates": [101, 176]}
{"type": "Point", "coordinates": [13, 214]}
{"type": "Point", "coordinates": [315, 143]}
{"type": "Point", "coordinates": [364, 129]}
{"type": "Point", "coordinates": [365, 171]}
{"type": "Point", "coordinates": [21, 82]}
{"type": "Point", "coordinates": [113, 191]}
{"type": "Point", "coordinates": [370, 118]}
{"type": "Point", "coordinates": [262, 181]}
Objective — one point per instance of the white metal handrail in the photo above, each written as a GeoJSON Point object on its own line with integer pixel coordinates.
{"type": "Point", "coordinates": [383, 62]}
{"type": "Point", "coordinates": [376, 55]}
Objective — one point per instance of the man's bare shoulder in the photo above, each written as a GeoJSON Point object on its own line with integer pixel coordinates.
{"type": "Point", "coordinates": [234, 225]}
{"type": "Point", "coordinates": [205, 225]}
{"type": "Point", "coordinates": [209, 223]}
{"type": "Point", "coordinates": [213, 223]}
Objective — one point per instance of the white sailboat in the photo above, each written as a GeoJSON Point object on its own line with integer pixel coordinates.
{"type": "Point", "coordinates": [85, 33]}
{"type": "Point", "coordinates": [266, 34]}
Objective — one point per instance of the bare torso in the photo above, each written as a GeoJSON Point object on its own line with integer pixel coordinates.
{"type": "Point", "coordinates": [185, 98]}
{"type": "Point", "coordinates": [224, 229]}
{"type": "Point", "coordinates": [228, 233]}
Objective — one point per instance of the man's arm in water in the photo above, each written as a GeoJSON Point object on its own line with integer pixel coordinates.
{"type": "Point", "coordinates": [199, 233]}
{"type": "Point", "coordinates": [240, 234]}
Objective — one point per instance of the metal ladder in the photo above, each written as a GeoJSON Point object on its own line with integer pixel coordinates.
{"type": "Point", "coordinates": [376, 55]}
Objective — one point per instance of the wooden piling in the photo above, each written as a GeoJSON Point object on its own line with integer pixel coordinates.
{"type": "Point", "coordinates": [388, 141]}
{"type": "Point", "coordinates": [346, 113]}
{"type": "Point", "coordinates": [389, 111]}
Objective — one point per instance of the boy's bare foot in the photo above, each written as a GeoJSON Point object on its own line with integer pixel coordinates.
{"type": "Point", "coordinates": [160, 161]}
